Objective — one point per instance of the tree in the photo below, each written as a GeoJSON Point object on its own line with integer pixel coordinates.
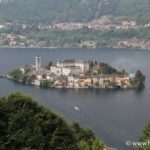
{"type": "Point", "coordinates": [24, 124]}
{"type": "Point", "coordinates": [91, 64]}
{"type": "Point", "coordinates": [107, 69]}
{"type": "Point", "coordinates": [47, 84]}
{"type": "Point", "coordinates": [5, 43]}
{"type": "Point", "coordinates": [123, 72]}
{"type": "Point", "coordinates": [33, 77]}
{"type": "Point", "coordinates": [139, 79]}
{"type": "Point", "coordinates": [83, 145]}
{"type": "Point", "coordinates": [95, 62]}
{"type": "Point", "coordinates": [16, 74]}
{"type": "Point", "coordinates": [97, 84]}
{"type": "Point", "coordinates": [97, 145]}
{"type": "Point", "coordinates": [49, 65]}
{"type": "Point", "coordinates": [145, 138]}
{"type": "Point", "coordinates": [86, 137]}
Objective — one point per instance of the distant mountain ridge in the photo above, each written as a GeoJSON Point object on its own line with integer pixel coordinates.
{"type": "Point", "coordinates": [52, 11]}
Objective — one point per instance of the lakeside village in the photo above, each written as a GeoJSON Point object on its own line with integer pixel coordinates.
{"type": "Point", "coordinates": [71, 73]}
{"type": "Point", "coordinates": [17, 34]}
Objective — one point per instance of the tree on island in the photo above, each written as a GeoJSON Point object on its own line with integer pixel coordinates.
{"type": "Point", "coordinates": [49, 65]}
{"type": "Point", "coordinates": [26, 125]}
{"type": "Point", "coordinates": [91, 64]}
{"type": "Point", "coordinates": [47, 84]}
{"type": "Point", "coordinates": [124, 72]}
{"type": "Point", "coordinates": [107, 69]}
{"type": "Point", "coordinates": [16, 74]}
{"type": "Point", "coordinates": [139, 79]}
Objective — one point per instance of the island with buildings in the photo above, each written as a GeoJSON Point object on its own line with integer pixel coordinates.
{"type": "Point", "coordinates": [72, 73]}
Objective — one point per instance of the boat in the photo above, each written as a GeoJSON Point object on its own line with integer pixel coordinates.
{"type": "Point", "coordinates": [76, 108]}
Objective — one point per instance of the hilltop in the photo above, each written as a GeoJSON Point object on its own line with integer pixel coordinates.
{"type": "Point", "coordinates": [55, 11]}
{"type": "Point", "coordinates": [75, 23]}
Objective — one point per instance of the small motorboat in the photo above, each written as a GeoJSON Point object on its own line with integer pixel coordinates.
{"type": "Point", "coordinates": [76, 108]}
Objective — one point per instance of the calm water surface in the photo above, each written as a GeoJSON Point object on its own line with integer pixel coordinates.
{"type": "Point", "coordinates": [115, 116]}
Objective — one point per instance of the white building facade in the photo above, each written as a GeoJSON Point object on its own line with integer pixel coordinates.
{"type": "Point", "coordinates": [70, 66]}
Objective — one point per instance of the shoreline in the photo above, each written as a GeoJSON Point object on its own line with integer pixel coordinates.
{"type": "Point", "coordinates": [71, 88]}
{"type": "Point", "coordinates": [10, 47]}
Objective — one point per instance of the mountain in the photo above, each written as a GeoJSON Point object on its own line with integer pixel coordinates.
{"type": "Point", "coordinates": [52, 11]}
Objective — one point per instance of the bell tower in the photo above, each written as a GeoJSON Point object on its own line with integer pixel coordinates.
{"type": "Point", "coordinates": [37, 62]}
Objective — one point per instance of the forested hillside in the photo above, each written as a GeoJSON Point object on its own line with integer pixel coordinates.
{"type": "Point", "coordinates": [51, 11]}
{"type": "Point", "coordinates": [26, 125]}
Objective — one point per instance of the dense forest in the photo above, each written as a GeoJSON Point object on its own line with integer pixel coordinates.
{"type": "Point", "coordinates": [52, 11]}
{"type": "Point", "coordinates": [26, 125]}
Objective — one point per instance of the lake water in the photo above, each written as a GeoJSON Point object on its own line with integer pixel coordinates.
{"type": "Point", "coordinates": [114, 115]}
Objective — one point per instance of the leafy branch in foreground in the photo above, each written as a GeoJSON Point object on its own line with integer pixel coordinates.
{"type": "Point", "coordinates": [145, 139]}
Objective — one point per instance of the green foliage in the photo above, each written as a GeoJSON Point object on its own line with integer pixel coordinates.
{"type": "Point", "coordinates": [145, 137]}
{"type": "Point", "coordinates": [123, 72]}
{"type": "Point", "coordinates": [139, 79]}
{"type": "Point", "coordinates": [103, 68]}
{"type": "Point", "coordinates": [16, 74]}
{"type": "Point", "coordinates": [25, 124]}
{"type": "Point", "coordinates": [87, 139]}
{"type": "Point", "coordinates": [107, 69]}
{"type": "Point", "coordinates": [97, 145]}
{"type": "Point", "coordinates": [104, 38]}
{"type": "Point", "coordinates": [49, 65]}
{"type": "Point", "coordinates": [75, 10]}
{"type": "Point", "coordinates": [60, 38]}
{"type": "Point", "coordinates": [47, 84]}
{"type": "Point", "coordinates": [97, 84]}
{"type": "Point", "coordinates": [83, 145]}
{"type": "Point", "coordinates": [47, 11]}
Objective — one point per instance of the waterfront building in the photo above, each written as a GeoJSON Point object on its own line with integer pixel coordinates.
{"type": "Point", "coordinates": [73, 81]}
{"type": "Point", "coordinates": [37, 63]}
{"type": "Point", "coordinates": [117, 79]}
{"type": "Point", "coordinates": [85, 81]}
{"type": "Point", "coordinates": [122, 80]}
{"type": "Point", "coordinates": [37, 82]}
{"type": "Point", "coordinates": [98, 79]}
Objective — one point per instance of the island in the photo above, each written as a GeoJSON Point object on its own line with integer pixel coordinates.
{"type": "Point", "coordinates": [72, 73]}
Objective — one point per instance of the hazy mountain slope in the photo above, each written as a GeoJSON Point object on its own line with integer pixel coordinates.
{"type": "Point", "coordinates": [72, 10]}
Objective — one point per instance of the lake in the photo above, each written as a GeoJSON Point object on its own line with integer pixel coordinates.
{"type": "Point", "coordinates": [114, 115]}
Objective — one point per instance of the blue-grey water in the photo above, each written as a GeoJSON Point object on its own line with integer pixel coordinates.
{"type": "Point", "coordinates": [114, 115]}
